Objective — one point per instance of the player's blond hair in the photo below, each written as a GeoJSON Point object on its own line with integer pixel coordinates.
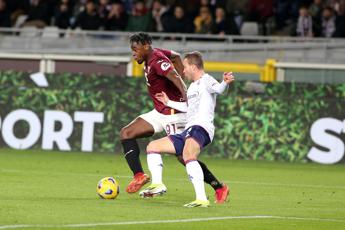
{"type": "Point", "coordinates": [195, 58]}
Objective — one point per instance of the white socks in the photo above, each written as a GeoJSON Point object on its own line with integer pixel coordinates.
{"type": "Point", "coordinates": [196, 175]}
{"type": "Point", "coordinates": [155, 164]}
{"type": "Point", "coordinates": [194, 171]}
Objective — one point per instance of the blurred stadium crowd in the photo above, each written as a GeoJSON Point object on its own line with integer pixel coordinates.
{"type": "Point", "coordinates": [307, 18]}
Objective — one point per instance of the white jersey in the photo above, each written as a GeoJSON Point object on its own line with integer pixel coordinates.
{"type": "Point", "coordinates": [201, 103]}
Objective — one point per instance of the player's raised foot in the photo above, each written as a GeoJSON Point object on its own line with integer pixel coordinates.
{"type": "Point", "coordinates": [139, 180]}
{"type": "Point", "coordinates": [153, 190]}
{"type": "Point", "coordinates": [198, 203]}
{"type": "Point", "coordinates": [222, 194]}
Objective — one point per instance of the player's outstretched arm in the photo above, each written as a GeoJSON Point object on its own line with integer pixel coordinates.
{"type": "Point", "coordinates": [178, 82]}
{"type": "Point", "coordinates": [228, 77]}
{"type": "Point", "coordinates": [175, 58]}
{"type": "Point", "coordinates": [219, 88]}
{"type": "Point", "coordinates": [180, 106]}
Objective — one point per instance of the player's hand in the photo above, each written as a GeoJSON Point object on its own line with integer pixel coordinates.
{"type": "Point", "coordinates": [228, 77]}
{"type": "Point", "coordinates": [162, 97]}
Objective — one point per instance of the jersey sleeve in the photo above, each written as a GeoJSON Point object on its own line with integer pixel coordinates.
{"type": "Point", "coordinates": [162, 66]}
{"type": "Point", "coordinates": [213, 86]}
{"type": "Point", "coordinates": [180, 106]}
{"type": "Point", "coordinates": [167, 53]}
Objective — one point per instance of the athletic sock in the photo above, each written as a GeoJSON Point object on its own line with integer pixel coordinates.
{"type": "Point", "coordinates": [209, 178]}
{"type": "Point", "coordinates": [132, 151]}
{"type": "Point", "coordinates": [196, 175]}
{"type": "Point", "coordinates": [155, 165]}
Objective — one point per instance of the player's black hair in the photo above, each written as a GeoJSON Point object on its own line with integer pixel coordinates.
{"type": "Point", "coordinates": [142, 38]}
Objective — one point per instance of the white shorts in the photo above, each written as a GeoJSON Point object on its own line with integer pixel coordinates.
{"type": "Point", "coordinates": [172, 124]}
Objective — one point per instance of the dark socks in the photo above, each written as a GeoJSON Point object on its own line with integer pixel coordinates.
{"type": "Point", "coordinates": [132, 151]}
{"type": "Point", "coordinates": [209, 178]}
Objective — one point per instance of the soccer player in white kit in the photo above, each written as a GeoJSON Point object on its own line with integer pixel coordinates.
{"type": "Point", "coordinates": [198, 133]}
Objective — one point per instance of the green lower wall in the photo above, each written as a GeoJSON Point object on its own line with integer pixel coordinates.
{"type": "Point", "coordinates": [273, 125]}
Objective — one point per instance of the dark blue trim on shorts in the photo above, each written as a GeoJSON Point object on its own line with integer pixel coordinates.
{"type": "Point", "coordinates": [198, 133]}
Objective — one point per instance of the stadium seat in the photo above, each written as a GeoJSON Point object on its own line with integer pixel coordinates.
{"type": "Point", "coordinates": [250, 28]}
{"type": "Point", "coordinates": [20, 21]}
{"type": "Point", "coordinates": [29, 31]}
{"type": "Point", "coordinates": [50, 32]}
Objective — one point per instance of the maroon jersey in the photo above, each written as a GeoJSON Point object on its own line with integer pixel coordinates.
{"type": "Point", "coordinates": [156, 69]}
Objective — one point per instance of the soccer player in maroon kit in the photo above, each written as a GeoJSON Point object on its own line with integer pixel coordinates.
{"type": "Point", "coordinates": [161, 75]}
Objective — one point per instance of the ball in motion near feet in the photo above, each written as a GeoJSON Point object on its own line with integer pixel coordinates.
{"type": "Point", "coordinates": [108, 188]}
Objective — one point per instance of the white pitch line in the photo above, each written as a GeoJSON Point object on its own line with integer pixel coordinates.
{"type": "Point", "coordinates": [181, 179]}
{"type": "Point", "coordinates": [170, 221]}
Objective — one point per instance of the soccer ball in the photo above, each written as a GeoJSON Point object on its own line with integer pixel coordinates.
{"type": "Point", "coordinates": [108, 188]}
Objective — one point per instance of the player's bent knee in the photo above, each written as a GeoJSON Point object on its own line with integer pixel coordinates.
{"type": "Point", "coordinates": [153, 147]}
{"type": "Point", "coordinates": [189, 156]}
{"type": "Point", "coordinates": [189, 159]}
{"type": "Point", "coordinates": [125, 134]}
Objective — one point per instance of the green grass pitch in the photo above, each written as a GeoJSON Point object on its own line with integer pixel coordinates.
{"type": "Point", "coordinates": [57, 190]}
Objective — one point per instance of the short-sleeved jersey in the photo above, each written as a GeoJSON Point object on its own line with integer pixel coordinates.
{"type": "Point", "coordinates": [202, 95]}
{"type": "Point", "coordinates": [202, 102]}
{"type": "Point", "coordinates": [156, 69]}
